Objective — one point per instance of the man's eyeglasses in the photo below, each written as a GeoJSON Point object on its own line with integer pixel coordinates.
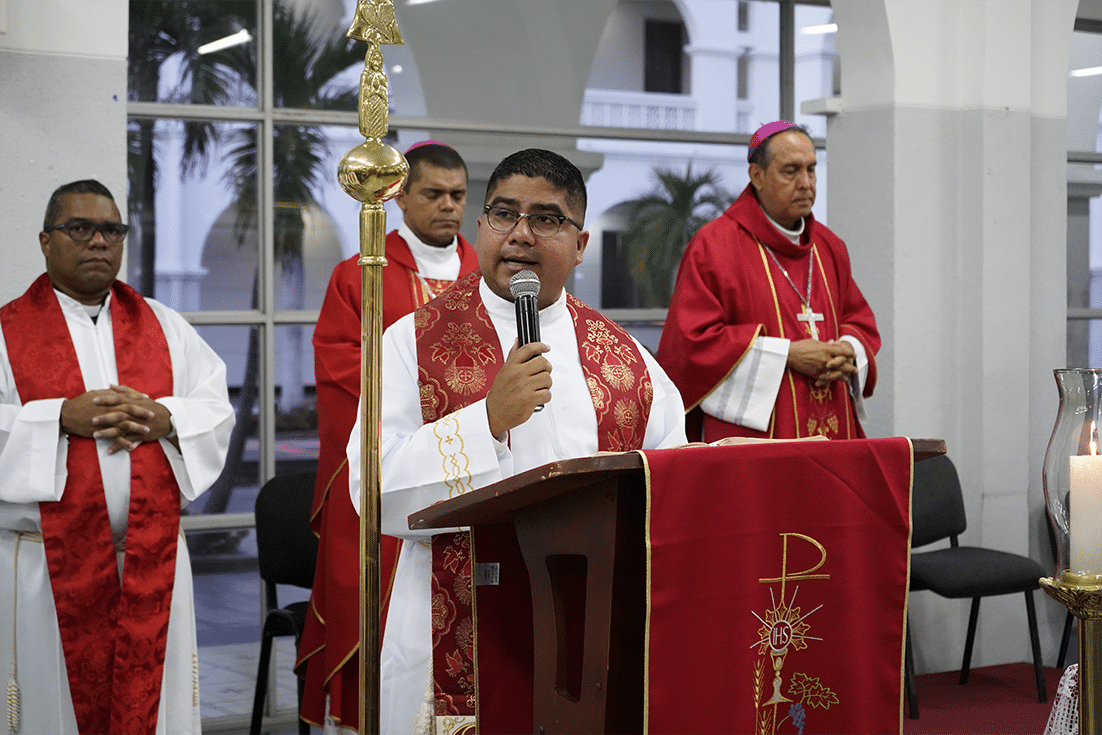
{"type": "Point", "coordinates": [542, 224]}
{"type": "Point", "coordinates": [82, 230]}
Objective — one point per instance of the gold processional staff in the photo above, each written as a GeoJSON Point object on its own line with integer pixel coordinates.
{"type": "Point", "coordinates": [372, 172]}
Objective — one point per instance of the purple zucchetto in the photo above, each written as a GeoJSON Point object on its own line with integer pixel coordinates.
{"type": "Point", "coordinates": [427, 142]}
{"type": "Point", "coordinates": [764, 132]}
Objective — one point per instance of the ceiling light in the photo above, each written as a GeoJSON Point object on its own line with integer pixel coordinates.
{"type": "Point", "coordinates": [242, 36]}
{"type": "Point", "coordinates": [819, 30]}
{"type": "Point", "coordinates": [1088, 72]}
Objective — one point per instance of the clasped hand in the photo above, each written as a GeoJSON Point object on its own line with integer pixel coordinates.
{"type": "Point", "coordinates": [523, 383]}
{"type": "Point", "coordinates": [822, 362]}
{"type": "Point", "coordinates": [123, 415]}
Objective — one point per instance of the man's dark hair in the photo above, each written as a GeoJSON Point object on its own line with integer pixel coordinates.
{"type": "Point", "coordinates": [434, 154]}
{"type": "Point", "coordinates": [539, 163]}
{"type": "Point", "coordinates": [764, 154]}
{"type": "Point", "coordinates": [84, 186]}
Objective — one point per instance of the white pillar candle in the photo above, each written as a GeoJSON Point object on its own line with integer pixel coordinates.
{"type": "Point", "coordinates": [1086, 514]}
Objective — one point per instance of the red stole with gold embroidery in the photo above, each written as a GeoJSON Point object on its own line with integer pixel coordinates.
{"type": "Point", "coordinates": [458, 355]}
{"type": "Point", "coordinates": [113, 635]}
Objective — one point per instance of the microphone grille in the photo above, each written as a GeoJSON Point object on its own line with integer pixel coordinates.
{"type": "Point", "coordinates": [524, 283]}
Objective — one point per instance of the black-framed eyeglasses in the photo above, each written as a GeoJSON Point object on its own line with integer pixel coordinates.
{"type": "Point", "coordinates": [82, 230]}
{"type": "Point", "coordinates": [542, 224]}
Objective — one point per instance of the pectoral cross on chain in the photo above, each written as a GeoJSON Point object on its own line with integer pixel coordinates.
{"type": "Point", "coordinates": [806, 314]}
{"type": "Point", "coordinates": [809, 316]}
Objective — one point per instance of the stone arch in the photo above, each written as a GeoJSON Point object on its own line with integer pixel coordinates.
{"type": "Point", "coordinates": [230, 270]}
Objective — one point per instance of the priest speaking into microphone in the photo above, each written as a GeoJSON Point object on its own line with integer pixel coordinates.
{"type": "Point", "coordinates": [767, 334]}
{"type": "Point", "coordinates": [459, 411]}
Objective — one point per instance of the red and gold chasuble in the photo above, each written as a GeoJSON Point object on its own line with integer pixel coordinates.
{"type": "Point", "coordinates": [814, 411]}
{"type": "Point", "coordinates": [741, 279]}
{"type": "Point", "coordinates": [458, 355]}
{"type": "Point", "coordinates": [113, 635]}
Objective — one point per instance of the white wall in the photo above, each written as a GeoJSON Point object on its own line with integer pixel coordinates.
{"type": "Point", "coordinates": [62, 116]}
{"type": "Point", "coordinates": [618, 61]}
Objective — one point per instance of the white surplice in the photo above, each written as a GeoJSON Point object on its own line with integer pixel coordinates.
{"type": "Point", "coordinates": [747, 395]}
{"type": "Point", "coordinates": [32, 470]}
{"type": "Point", "coordinates": [414, 475]}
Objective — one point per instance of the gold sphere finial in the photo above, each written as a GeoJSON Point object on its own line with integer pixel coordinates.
{"type": "Point", "coordinates": [372, 172]}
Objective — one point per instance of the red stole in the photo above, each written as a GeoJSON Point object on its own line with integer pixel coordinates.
{"type": "Point", "coordinates": [113, 636]}
{"type": "Point", "coordinates": [458, 355]}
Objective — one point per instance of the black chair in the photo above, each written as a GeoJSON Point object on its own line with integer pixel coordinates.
{"type": "Point", "coordinates": [937, 512]}
{"type": "Point", "coordinates": [287, 551]}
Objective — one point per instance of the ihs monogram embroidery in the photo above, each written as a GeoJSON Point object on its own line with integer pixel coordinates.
{"type": "Point", "coordinates": [628, 414]}
{"type": "Point", "coordinates": [784, 628]}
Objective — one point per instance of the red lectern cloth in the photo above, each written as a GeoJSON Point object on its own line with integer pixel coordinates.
{"type": "Point", "coordinates": [778, 581]}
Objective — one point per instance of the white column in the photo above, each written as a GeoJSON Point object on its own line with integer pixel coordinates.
{"type": "Point", "coordinates": [715, 86]}
{"type": "Point", "coordinates": [948, 181]}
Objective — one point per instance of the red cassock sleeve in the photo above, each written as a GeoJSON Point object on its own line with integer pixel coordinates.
{"type": "Point", "coordinates": [710, 325]}
{"type": "Point", "coordinates": [857, 318]}
{"type": "Point", "coordinates": [337, 339]}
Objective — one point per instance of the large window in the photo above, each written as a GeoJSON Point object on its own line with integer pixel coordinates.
{"type": "Point", "coordinates": [239, 111]}
{"type": "Point", "coordinates": [230, 196]}
{"type": "Point", "coordinates": [1085, 196]}
{"type": "Point", "coordinates": [693, 156]}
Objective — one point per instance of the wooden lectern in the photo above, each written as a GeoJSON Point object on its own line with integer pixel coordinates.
{"type": "Point", "coordinates": [581, 528]}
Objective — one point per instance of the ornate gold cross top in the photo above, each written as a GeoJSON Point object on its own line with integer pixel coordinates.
{"type": "Point", "coordinates": [374, 24]}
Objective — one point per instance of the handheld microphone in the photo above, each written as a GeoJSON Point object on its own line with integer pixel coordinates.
{"type": "Point", "coordinates": [525, 287]}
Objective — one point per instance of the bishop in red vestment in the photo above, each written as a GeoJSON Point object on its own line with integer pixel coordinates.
{"type": "Point", "coordinates": [767, 333]}
{"type": "Point", "coordinates": [424, 256]}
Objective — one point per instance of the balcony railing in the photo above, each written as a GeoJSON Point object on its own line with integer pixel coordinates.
{"type": "Point", "coordinates": [649, 110]}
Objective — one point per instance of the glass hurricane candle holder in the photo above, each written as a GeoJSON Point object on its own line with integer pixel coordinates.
{"type": "Point", "coordinates": [1073, 474]}
{"type": "Point", "coordinates": [1073, 496]}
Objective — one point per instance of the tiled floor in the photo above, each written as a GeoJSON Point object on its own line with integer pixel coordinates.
{"type": "Point", "coordinates": [227, 681]}
{"type": "Point", "coordinates": [227, 678]}
{"type": "Point", "coordinates": [228, 623]}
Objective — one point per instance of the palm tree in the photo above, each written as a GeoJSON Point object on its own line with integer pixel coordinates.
{"type": "Point", "coordinates": [663, 222]}
{"type": "Point", "coordinates": [304, 73]}
{"type": "Point", "coordinates": [160, 29]}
